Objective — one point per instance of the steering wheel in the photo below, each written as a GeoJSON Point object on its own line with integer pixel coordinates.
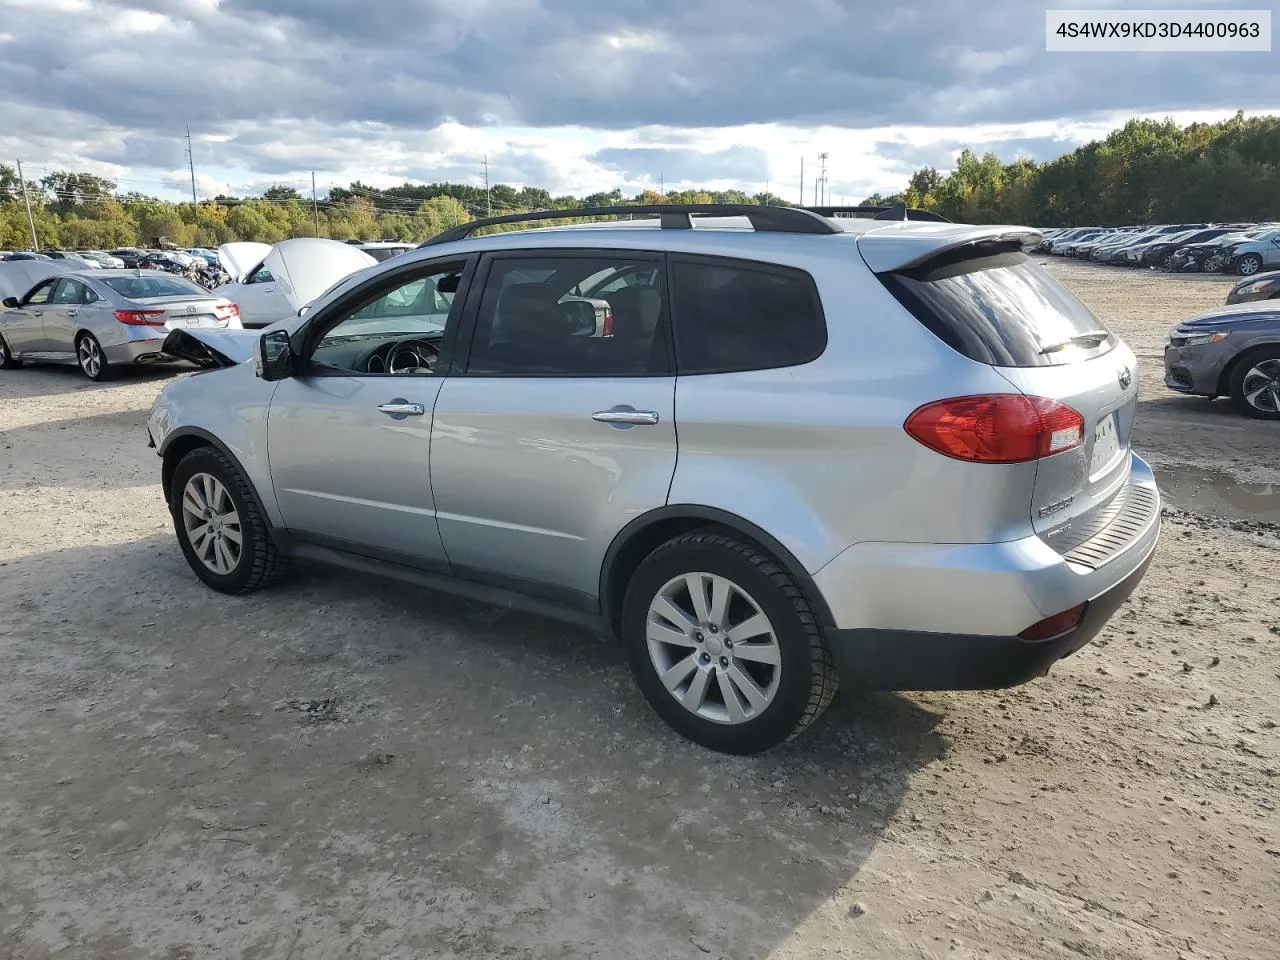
{"type": "Point", "coordinates": [412, 356]}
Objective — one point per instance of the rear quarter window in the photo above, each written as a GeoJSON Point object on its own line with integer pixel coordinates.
{"type": "Point", "coordinates": [736, 315]}
{"type": "Point", "coordinates": [1001, 309]}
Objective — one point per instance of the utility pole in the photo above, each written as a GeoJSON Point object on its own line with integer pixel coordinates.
{"type": "Point", "coordinates": [802, 181]}
{"type": "Point", "coordinates": [35, 243]}
{"type": "Point", "coordinates": [315, 206]}
{"type": "Point", "coordinates": [766, 191]}
{"type": "Point", "coordinates": [822, 180]}
{"type": "Point", "coordinates": [191, 163]}
{"type": "Point", "coordinates": [662, 186]}
{"type": "Point", "coordinates": [488, 204]}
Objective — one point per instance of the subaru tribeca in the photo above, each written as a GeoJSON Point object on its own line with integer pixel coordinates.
{"type": "Point", "coordinates": [803, 450]}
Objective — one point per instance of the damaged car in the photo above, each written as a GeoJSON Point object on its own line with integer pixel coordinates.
{"type": "Point", "coordinates": [274, 282]}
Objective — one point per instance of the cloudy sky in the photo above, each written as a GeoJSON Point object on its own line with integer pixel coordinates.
{"type": "Point", "coordinates": [573, 95]}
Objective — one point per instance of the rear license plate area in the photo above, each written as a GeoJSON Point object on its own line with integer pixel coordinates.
{"type": "Point", "coordinates": [1106, 444]}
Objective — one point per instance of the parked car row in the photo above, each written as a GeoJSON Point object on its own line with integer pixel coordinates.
{"type": "Point", "coordinates": [1241, 248]}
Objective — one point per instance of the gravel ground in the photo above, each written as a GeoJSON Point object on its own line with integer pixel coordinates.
{"type": "Point", "coordinates": [343, 767]}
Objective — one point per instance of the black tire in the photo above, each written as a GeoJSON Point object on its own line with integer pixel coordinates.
{"type": "Point", "coordinates": [1249, 264]}
{"type": "Point", "coordinates": [7, 360]}
{"type": "Point", "coordinates": [1166, 262]}
{"type": "Point", "coordinates": [88, 348]}
{"type": "Point", "coordinates": [808, 680]}
{"type": "Point", "coordinates": [260, 563]}
{"type": "Point", "coordinates": [1240, 370]}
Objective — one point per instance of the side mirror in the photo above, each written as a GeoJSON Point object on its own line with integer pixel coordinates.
{"type": "Point", "coordinates": [11, 302]}
{"type": "Point", "coordinates": [273, 360]}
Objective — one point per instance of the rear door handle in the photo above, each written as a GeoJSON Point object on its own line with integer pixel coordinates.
{"type": "Point", "coordinates": [625, 416]}
{"type": "Point", "coordinates": [73, 313]}
{"type": "Point", "coordinates": [399, 409]}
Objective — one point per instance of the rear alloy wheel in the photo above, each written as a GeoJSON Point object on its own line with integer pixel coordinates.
{"type": "Point", "coordinates": [7, 360]}
{"type": "Point", "coordinates": [1255, 383]}
{"type": "Point", "coordinates": [724, 645]}
{"type": "Point", "coordinates": [93, 364]}
{"type": "Point", "coordinates": [1249, 264]}
{"type": "Point", "coordinates": [1166, 263]}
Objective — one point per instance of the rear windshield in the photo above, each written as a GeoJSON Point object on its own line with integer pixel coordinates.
{"type": "Point", "coordinates": [140, 288]}
{"type": "Point", "coordinates": [1001, 309]}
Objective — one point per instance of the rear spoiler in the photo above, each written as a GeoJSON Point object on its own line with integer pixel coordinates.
{"type": "Point", "coordinates": [893, 251]}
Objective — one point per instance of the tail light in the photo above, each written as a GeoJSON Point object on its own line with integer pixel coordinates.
{"type": "Point", "coordinates": [1054, 626]}
{"type": "Point", "coordinates": [607, 327]}
{"type": "Point", "coordinates": [141, 318]}
{"type": "Point", "coordinates": [225, 313]}
{"type": "Point", "coordinates": [997, 428]}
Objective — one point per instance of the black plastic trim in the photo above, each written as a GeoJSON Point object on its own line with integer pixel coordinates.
{"type": "Point", "coordinates": [720, 518]}
{"type": "Point", "coordinates": [446, 583]}
{"type": "Point", "coordinates": [873, 659]}
{"type": "Point", "coordinates": [672, 216]}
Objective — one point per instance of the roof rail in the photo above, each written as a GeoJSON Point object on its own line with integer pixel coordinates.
{"type": "Point", "coordinates": [673, 216]}
{"type": "Point", "coordinates": [893, 211]}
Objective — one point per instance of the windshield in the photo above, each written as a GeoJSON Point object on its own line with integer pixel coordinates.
{"type": "Point", "coordinates": [141, 288]}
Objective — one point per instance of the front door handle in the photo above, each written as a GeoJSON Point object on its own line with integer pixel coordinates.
{"type": "Point", "coordinates": [73, 313]}
{"type": "Point", "coordinates": [625, 416]}
{"type": "Point", "coordinates": [37, 313]}
{"type": "Point", "coordinates": [398, 409]}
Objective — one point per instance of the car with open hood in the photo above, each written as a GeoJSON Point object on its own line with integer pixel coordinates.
{"type": "Point", "coordinates": [99, 319]}
{"type": "Point", "coordinates": [273, 282]}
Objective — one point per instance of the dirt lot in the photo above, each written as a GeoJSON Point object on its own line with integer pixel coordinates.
{"type": "Point", "coordinates": [349, 768]}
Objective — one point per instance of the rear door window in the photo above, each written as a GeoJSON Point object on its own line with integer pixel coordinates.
{"type": "Point", "coordinates": [735, 315]}
{"type": "Point", "coordinates": [1002, 309]}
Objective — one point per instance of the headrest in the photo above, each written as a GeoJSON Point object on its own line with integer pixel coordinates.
{"type": "Point", "coordinates": [528, 311]}
{"type": "Point", "coordinates": [636, 309]}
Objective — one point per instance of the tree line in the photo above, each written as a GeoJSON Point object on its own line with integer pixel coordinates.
{"type": "Point", "coordinates": [1147, 171]}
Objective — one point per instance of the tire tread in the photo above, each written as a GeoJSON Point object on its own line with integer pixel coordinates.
{"type": "Point", "coordinates": [826, 679]}
{"type": "Point", "coordinates": [269, 564]}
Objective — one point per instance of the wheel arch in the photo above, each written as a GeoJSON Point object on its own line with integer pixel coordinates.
{"type": "Point", "coordinates": [647, 532]}
{"type": "Point", "coordinates": [181, 442]}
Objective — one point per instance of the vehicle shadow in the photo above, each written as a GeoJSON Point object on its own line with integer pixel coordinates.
{"type": "Point", "coordinates": [48, 379]}
{"type": "Point", "coordinates": [117, 456]}
{"type": "Point", "coordinates": [457, 773]}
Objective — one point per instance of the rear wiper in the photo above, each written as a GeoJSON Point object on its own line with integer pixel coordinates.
{"type": "Point", "coordinates": [1090, 338]}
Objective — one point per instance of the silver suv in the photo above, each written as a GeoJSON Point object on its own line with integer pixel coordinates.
{"type": "Point", "coordinates": [771, 450]}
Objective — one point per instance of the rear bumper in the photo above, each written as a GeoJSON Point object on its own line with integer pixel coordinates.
{"type": "Point", "coordinates": [947, 616]}
{"type": "Point", "coordinates": [137, 351]}
{"type": "Point", "coordinates": [913, 660]}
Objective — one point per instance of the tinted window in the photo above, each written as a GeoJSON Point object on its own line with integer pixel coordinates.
{"type": "Point", "coordinates": [1003, 310]}
{"type": "Point", "coordinates": [261, 275]}
{"type": "Point", "coordinates": [739, 316]}
{"type": "Point", "coordinates": [140, 288]}
{"type": "Point", "coordinates": [534, 320]}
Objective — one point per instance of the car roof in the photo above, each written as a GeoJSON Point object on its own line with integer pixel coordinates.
{"type": "Point", "coordinates": [884, 244]}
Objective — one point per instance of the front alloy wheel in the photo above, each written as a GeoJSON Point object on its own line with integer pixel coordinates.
{"type": "Point", "coordinates": [212, 524]}
{"type": "Point", "coordinates": [1255, 384]}
{"type": "Point", "coordinates": [1249, 264]}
